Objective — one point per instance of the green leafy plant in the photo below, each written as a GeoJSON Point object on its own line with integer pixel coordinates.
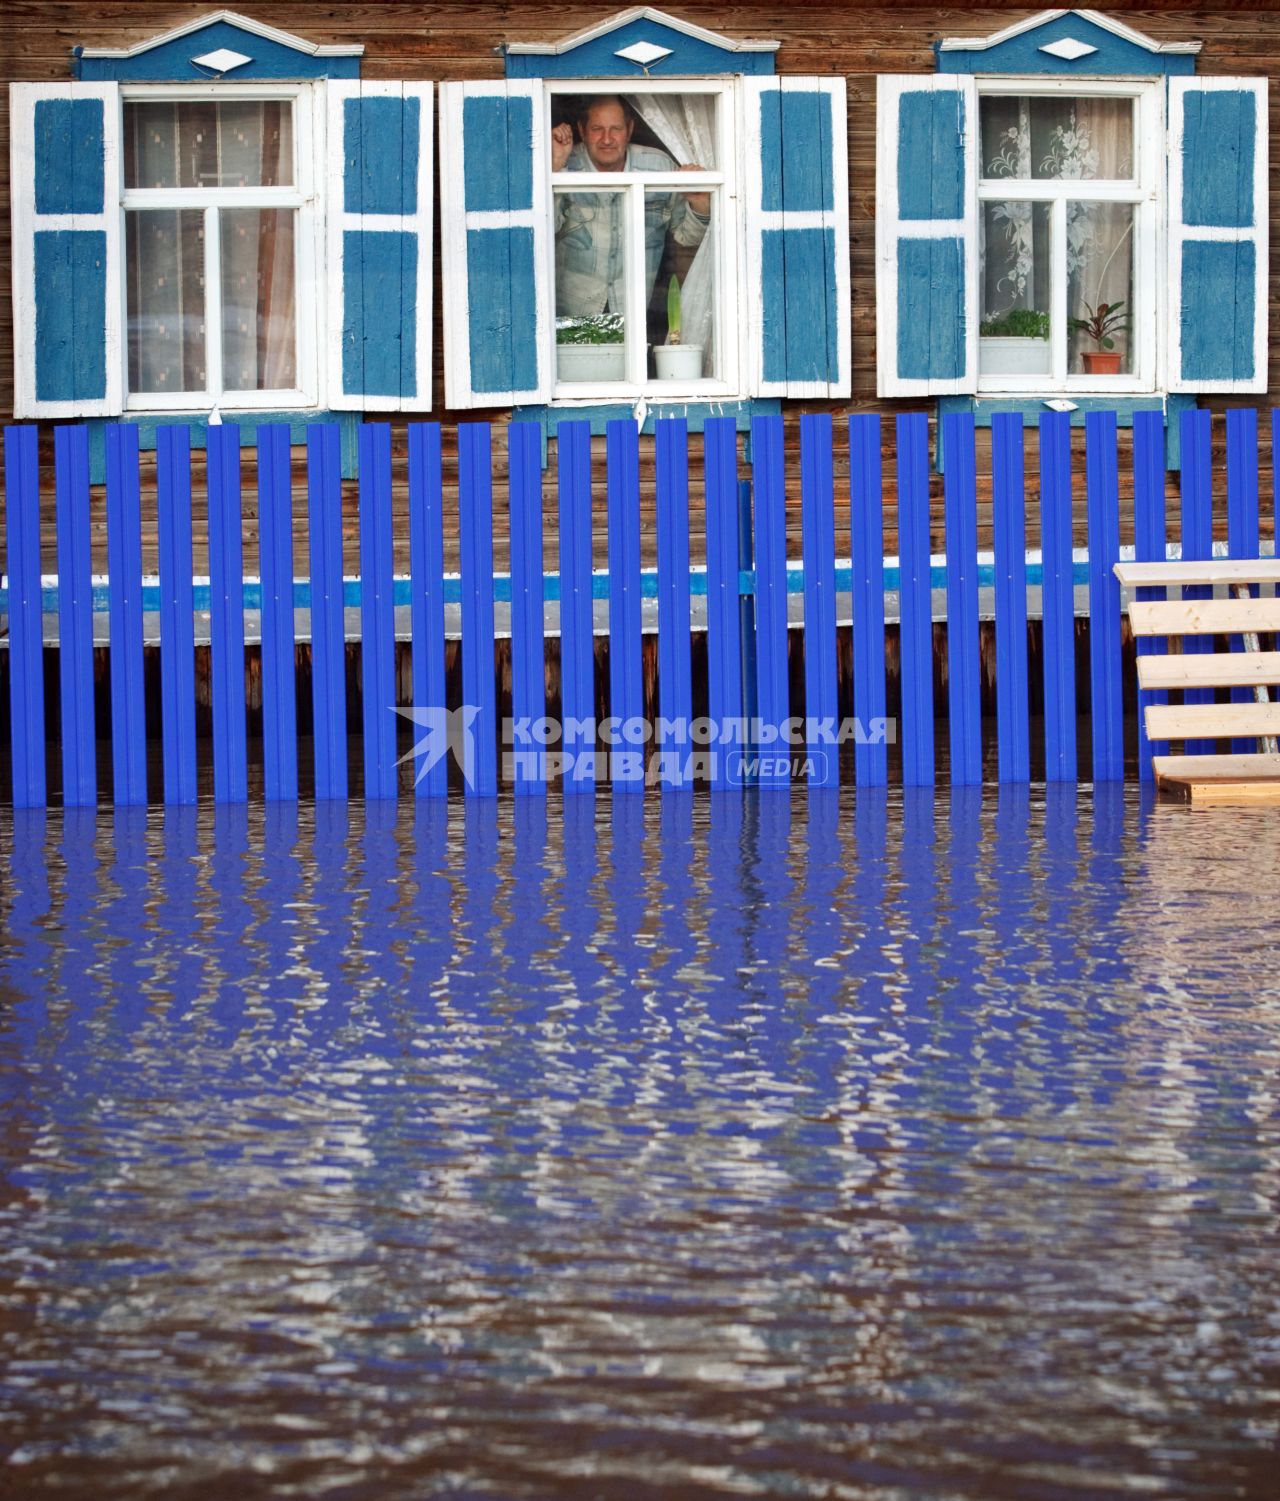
{"type": "Point", "coordinates": [1103, 322]}
{"type": "Point", "coordinates": [673, 311]}
{"type": "Point", "coordinates": [1017, 323]}
{"type": "Point", "coordinates": [604, 328]}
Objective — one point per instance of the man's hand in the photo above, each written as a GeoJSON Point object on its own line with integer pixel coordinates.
{"type": "Point", "coordinates": [561, 146]}
{"type": "Point", "coordinates": [700, 203]}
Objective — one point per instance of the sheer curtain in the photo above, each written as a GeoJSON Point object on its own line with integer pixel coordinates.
{"type": "Point", "coordinates": [686, 126]}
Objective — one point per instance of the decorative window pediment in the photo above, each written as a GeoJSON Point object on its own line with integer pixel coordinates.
{"type": "Point", "coordinates": [1067, 42]}
{"type": "Point", "coordinates": [639, 43]}
{"type": "Point", "coordinates": [217, 46]}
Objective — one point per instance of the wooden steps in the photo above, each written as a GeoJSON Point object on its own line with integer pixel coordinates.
{"type": "Point", "coordinates": [1225, 778]}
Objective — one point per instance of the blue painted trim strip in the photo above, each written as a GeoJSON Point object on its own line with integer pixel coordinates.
{"type": "Point", "coordinates": [124, 564]}
{"type": "Point", "coordinates": [915, 600]}
{"type": "Point", "coordinates": [475, 516]}
{"type": "Point", "coordinates": [866, 547]}
{"type": "Point", "coordinates": [724, 627]}
{"type": "Point", "coordinates": [626, 681]}
{"type": "Point", "coordinates": [577, 642]}
{"type": "Point", "coordinates": [1009, 539]}
{"type": "Point", "coordinates": [1149, 547]}
{"type": "Point", "coordinates": [226, 617]}
{"type": "Point", "coordinates": [675, 679]}
{"type": "Point", "coordinates": [175, 603]}
{"type": "Point", "coordinates": [24, 606]}
{"type": "Point", "coordinates": [377, 617]}
{"type": "Point", "coordinates": [818, 537]}
{"type": "Point", "coordinates": [770, 536]}
{"type": "Point", "coordinates": [1106, 697]}
{"type": "Point", "coordinates": [1057, 599]}
{"type": "Point", "coordinates": [1197, 539]}
{"type": "Point", "coordinates": [172, 62]}
{"type": "Point", "coordinates": [279, 687]}
{"type": "Point", "coordinates": [426, 567]}
{"type": "Point", "coordinates": [1242, 521]}
{"type": "Point", "coordinates": [528, 662]}
{"type": "Point", "coordinates": [964, 684]}
{"type": "Point", "coordinates": [325, 599]}
{"type": "Point", "coordinates": [75, 619]}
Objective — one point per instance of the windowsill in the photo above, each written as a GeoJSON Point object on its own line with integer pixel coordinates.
{"type": "Point", "coordinates": [1031, 404]}
{"type": "Point", "coordinates": [574, 394]}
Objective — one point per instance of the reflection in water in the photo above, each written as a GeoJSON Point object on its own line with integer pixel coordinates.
{"type": "Point", "coordinates": [673, 1147]}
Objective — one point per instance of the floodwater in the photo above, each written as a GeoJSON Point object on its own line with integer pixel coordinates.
{"type": "Point", "coordinates": [677, 1147]}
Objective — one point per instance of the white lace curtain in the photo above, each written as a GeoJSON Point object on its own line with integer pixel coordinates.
{"type": "Point", "coordinates": [685, 125]}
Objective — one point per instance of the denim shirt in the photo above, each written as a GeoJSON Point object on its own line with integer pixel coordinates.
{"type": "Point", "coordinates": [591, 239]}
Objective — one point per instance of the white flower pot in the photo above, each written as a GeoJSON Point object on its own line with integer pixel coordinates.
{"type": "Point", "coordinates": [678, 361]}
{"type": "Point", "coordinates": [591, 362]}
{"type": "Point", "coordinates": [1010, 356]}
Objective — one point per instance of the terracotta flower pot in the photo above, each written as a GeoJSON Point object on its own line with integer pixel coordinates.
{"type": "Point", "coordinates": [1101, 361]}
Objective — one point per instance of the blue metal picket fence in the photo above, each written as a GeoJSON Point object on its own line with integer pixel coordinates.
{"type": "Point", "coordinates": [752, 564]}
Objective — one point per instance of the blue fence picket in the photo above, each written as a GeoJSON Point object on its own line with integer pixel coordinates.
{"type": "Point", "coordinates": [675, 683]}
{"type": "Point", "coordinates": [177, 617]}
{"type": "Point", "coordinates": [770, 536]}
{"type": "Point", "coordinates": [124, 569]}
{"type": "Point", "coordinates": [528, 648]}
{"type": "Point", "coordinates": [1242, 519]}
{"type": "Point", "coordinates": [818, 541]}
{"type": "Point", "coordinates": [1106, 696]}
{"type": "Point", "coordinates": [577, 642]}
{"type": "Point", "coordinates": [328, 621]}
{"type": "Point", "coordinates": [226, 615]}
{"type": "Point", "coordinates": [960, 499]}
{"type": "Point", "coordinates": [75, 617]}
{"type": "Point", "coordinates": [426, 610]}
{"type": "Point", "coordinates": [915, 599]}
{"type": "Point", "coordinates": [626, 676]}
{"type": "Point", "coordinates": [377, 612]}
{"type": "Point", "coordinates": [479, 692]}
{"type": "Point", "coordinates": [724, 623]}
{"type": "Point", "coordinates": [1057, 598]}
{"type": "Point", "coordinates": [26, 615]}
{"type": "Point", "coordinates": [1197, 539]}
{"type": "Point", "coordinates": [275, 549]}
{"type": "Point", "coordinates": [1009, 514]}
{"type": "Point", "coordinates": [1149, 540]}
{"type": "Point", "coordinates": [866, 526]}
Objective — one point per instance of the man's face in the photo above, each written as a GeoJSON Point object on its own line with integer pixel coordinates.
{"type": "Point", "coordinates": [606, 133]}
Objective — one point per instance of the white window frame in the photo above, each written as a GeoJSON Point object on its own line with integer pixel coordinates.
{"type": "Point", "coordinates": [1145, 191]}
{"type": "Point", "coordinates": [304, 196]}
{"type": "Point", "coordinates": [726, 224]}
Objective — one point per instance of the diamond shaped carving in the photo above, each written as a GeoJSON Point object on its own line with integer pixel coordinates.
{"type": "Point", "coordinates": [643, 53]}
{"type": "Point", "coordinates": [1068, 49]}
{"type": "Point", "coordinates": [222, 61]}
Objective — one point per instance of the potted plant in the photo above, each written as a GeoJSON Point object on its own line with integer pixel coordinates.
{"type": "Point", "coordinates": [1015, 342]}
{"type": "Point", "coordinates": [591, 349]}
{"type": "Point", "coordinates": [1103, 323]}
{"type": "Point", "coordinates": [675, 360]}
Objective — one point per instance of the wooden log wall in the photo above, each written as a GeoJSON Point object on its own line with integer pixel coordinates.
{"type": "Point", "coordinates": [408, 39]}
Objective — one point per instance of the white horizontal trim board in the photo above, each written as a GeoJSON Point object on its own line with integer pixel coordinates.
{"type": "Point", "coordinates": [499, 218]}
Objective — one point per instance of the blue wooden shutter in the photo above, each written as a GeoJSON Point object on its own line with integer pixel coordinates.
{"type": "Point", "coordinates": [1218, 234]}
{"type": "Point", "coordinates": [926, 235]}
{"type": "Point", "coordinates": [68, 360]}
{"type": "Point", "coordinates": [797, 236]}
{"type": "Point", "coordinates": [379, 246]}
{"type": "Point", "coordinates": [494, 227]}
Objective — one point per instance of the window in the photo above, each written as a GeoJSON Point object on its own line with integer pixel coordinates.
{"type": "Point", "coordinates": [190, 248]}
{"type": "Point", "coordinates": [1068, 225]}
{"type": "Point", "coordinates": [644, 291]}
{"type": "Point", "coordinates": [1065, 210]}
{"type": "Point", "coordinates": [219, 238]}
{"type": "Point", "coordinates": [562, 274]}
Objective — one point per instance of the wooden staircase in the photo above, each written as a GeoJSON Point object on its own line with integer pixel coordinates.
{"type": "Point", "coordinates": [1216, 778]}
